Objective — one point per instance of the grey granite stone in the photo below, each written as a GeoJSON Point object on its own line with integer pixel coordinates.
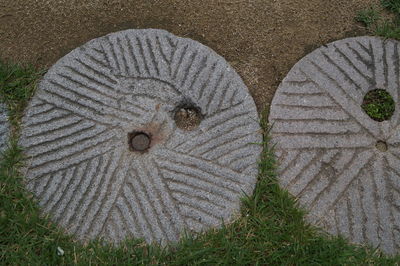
{"type": "Point", "coordinates": [331, 153]}
{"type": "Point", "coordinates": [4, 128]}
{"type": "Point", "coordinates": [76, 133]}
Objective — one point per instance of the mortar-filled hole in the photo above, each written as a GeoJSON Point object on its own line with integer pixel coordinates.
{"type": "Point", "coordinates": [381, 145]}
{"type": "Point", "coordinates": [139, 141]}
{"type": "Point", "coordinates": [187, 117]}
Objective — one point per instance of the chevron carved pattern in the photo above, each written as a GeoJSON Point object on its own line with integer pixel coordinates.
{"type": "Point", "coordinates": [75, 130]}
{"type": "Point", "coordinates": [327, 145]}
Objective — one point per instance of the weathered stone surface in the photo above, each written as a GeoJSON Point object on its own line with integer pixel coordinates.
{"type": "Point", "coordinates": [4, 128]}
{"type": "Point", "coordinates": [332, 154]}
{"type": "Point", "coordinates": [76, 132]}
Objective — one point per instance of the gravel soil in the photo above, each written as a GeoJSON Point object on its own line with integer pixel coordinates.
{"type": "Point", "coordinates": [261, 39]}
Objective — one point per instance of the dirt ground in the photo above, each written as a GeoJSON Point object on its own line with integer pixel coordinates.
{"type": "Point", "coordinates": [262, 39]}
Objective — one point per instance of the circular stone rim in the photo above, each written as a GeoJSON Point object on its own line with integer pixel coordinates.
{"type": "Point", "coordinates": [292, 72]}
{"type": "Point", "coordinates": [248, 101]}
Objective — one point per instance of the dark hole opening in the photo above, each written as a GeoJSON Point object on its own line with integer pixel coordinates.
{"type": "Point", "coordinates": [139, 141]}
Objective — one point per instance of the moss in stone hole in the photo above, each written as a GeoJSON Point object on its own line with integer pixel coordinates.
{"type": "Point", "coordinates": [378, 104]}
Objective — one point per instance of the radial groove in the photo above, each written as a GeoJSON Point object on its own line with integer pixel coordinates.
{"type": "Point", "coordinates": [77, 133]}
{"type": "Point", "coordinates": [347, 188]}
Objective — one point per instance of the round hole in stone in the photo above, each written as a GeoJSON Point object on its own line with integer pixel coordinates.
{"type": "Point", "coordinates": [381, 145]}
{"type": "Point", "coordinates": [187, 117]}
{"type": "Point", "coordinates": [378, 104]}
{"type": "Point", "coordinates": [139, 141]}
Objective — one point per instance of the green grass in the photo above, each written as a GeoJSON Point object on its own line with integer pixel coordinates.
{"type": "Point", "coordinates": [368, 17]}
{"type": "Point", "coordinates": [379, 105]}
{"type": "Point", "coordinates": [271, 230]}
{"type": "Point", "coordinates": [392, 5]}
{"type": "Point", "coordinates": [374, 19]}
{"type": "Point", "coordinates": [17, 85]}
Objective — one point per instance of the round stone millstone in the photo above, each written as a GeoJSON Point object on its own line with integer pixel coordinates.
{"type": "Point", "coordinates": [343, 167]}
{"type": "Point", "coordinates": [4, 128]}
{"type": "Point", "coordinates": [78, 129]}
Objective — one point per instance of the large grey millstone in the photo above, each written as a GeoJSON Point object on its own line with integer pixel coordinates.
{"type": "Point", "coordinates": [76, 129]}
{"type": "Point", "coordinates": [326, 143]}
{"type": "Point", "coordinates": [4, 128]}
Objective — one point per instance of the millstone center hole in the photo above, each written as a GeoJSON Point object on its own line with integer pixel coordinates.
{"type": "Point", "coordinates": [381, 145]}
{"type": "Point", "coordinates": [139, 141]}
{"type": "Point", "coordinates": [187, 117]}
{"type": "Point", "coordinates": [379, 105]}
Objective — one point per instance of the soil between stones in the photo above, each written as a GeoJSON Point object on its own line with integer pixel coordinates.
{"type": "Point", "coordinates": [261, 39]}
{"type": "Point", "coordinates": [343, 166]}
{"type": "Point", "coordinates": [161, 180]}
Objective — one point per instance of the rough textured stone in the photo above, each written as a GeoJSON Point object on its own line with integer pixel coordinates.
{"type": "Point", "coordinates": [76, 130]}
{"type": "Point", "coordinates": [4, 128]}
{"type": "Point", "coordinates": [330, 151]}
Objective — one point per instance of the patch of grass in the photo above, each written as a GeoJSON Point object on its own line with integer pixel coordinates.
{"type": "Point", "coordinates": [17, 84]}
{"type": "Point", "coordinates": [378, 104]}
{"type": "Point", "coordinates": [392, 5]}
{"type": "Point", "coordinates": [374, 20]}
{"type": "Point", "coordinates": [270, 231]}
{"type": "Point", "coordinates": [388, 30]}
{"type": "Point", "coordinates": [368, 16]}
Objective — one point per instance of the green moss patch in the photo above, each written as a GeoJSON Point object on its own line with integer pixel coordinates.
{"type": "Point", "coordinates": [379, 105]}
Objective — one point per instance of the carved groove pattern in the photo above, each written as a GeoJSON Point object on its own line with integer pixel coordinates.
{"type": "Point", "coordinates": [75, 134]}
{"type": "Point", "coordinates": [4, 128]}
{"type": "Point", "coordinates": [326, 143]}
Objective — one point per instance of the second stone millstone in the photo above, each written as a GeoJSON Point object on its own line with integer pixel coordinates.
{"type": "Point", "coordinates": [341, 164]}
{"type": "Point", "coordinates": [141, 134]}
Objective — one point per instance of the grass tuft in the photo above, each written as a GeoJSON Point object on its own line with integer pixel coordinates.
{"type": "Point", "coordinates": [372, 18]}
{"type": "Point", "coordinates": [378, 104]}
{"type": "Point", "coordinates": [368, 16]}
{"type": "Point", "coordinates": [392, 5]}
{"type": "Point", "coordinates": [388, 30]}
{"type": "Point", "coordinates": [17, 83]}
